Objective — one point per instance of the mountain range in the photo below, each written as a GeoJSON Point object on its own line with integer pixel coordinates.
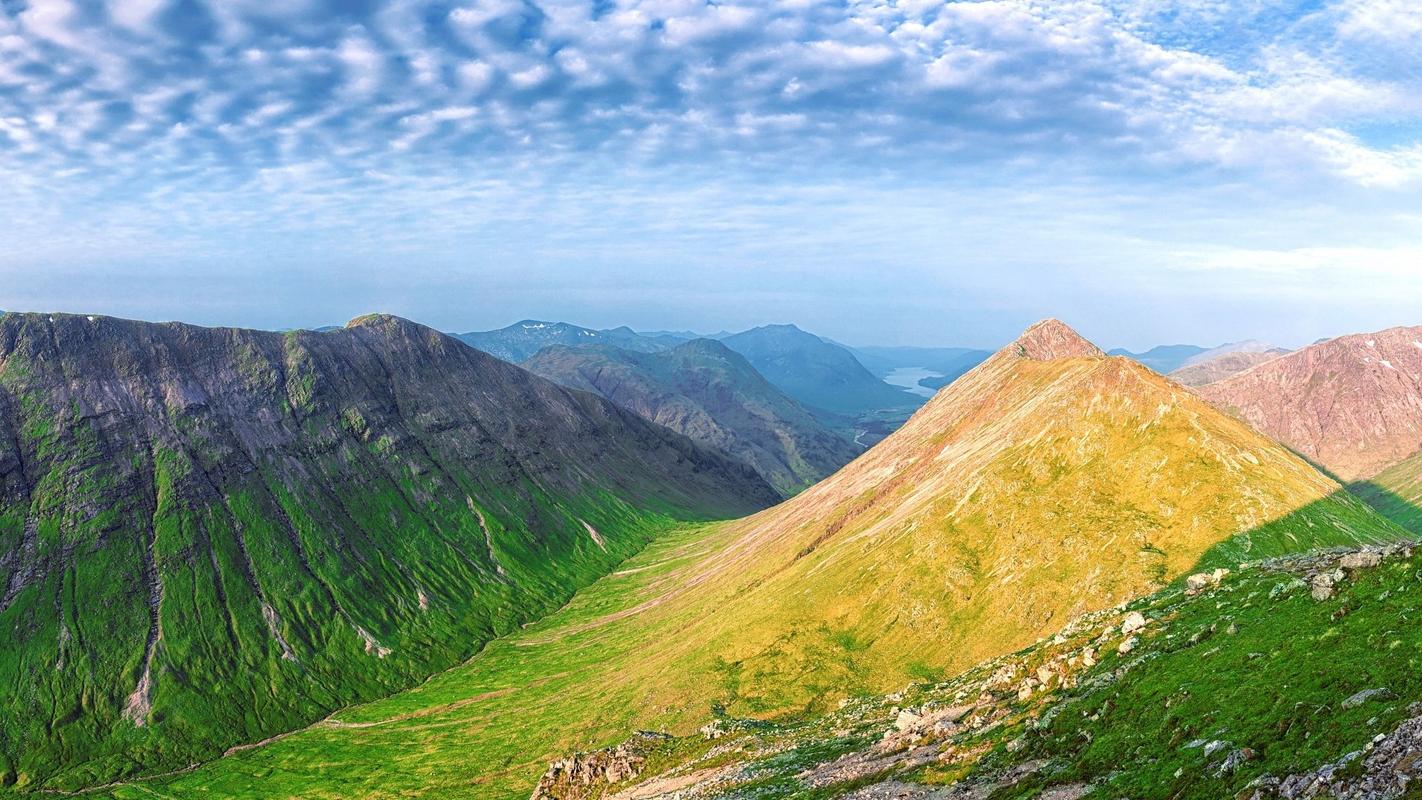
{"type": "Point", "coordinates": [712, 394]}
{"type": "Point", "coordinates": [374, 561]}
{"type": "Point", "coordinates": [521, 340]}
{"type": "Point", "coordinates": [209, 536]}
{"type": "Point", "coordinates": [824, 377]}
{"type": "Point", "coordinates": [1049, 482]}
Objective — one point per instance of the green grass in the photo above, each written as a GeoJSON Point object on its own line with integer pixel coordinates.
{"type": "Point", "coordinates": [342, 562]}
{"type": "Point", "coordinates": [1256, 663]}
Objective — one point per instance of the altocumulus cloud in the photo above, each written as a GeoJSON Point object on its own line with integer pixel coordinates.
{"type": "Point", "coordinates": [190, 118]}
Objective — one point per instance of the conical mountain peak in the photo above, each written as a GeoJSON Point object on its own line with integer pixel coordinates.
{"type": "Point", "coordinates": [1051, 339]}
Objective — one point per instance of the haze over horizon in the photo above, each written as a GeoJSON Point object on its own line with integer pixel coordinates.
{"type": "Point", "coordinates": [879, 173]}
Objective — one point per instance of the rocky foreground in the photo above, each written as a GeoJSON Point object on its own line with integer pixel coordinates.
{"type": "Point", "coordinates": [1291, 678]}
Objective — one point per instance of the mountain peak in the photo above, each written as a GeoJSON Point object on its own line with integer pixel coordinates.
{"type": "Point", "coordinates": [1050, 339]}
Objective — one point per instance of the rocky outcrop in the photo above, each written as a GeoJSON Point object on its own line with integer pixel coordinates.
{"type": "Point", "coordinates": [1383, 770]}
{"type": "Point", "coordinates": [587, 775]}
{"type": "Point", "coordinates": [1051, 339]}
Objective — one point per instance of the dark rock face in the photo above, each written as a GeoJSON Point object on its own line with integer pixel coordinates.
{"type": "Point", "coordinates": [211, 535]}
{"type": "Point", "coordinates": [712, 395]}
{"type": "Point", "coordinates": [586, 775]}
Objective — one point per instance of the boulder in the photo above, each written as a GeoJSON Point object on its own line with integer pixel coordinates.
{"type": "Point", "coordinates": [1363, 559]}
{"type": "Point", "coordinates": [1133, 622]}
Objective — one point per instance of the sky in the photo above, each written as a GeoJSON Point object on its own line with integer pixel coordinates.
{"type": "Point", "coordinates": [902, 172]}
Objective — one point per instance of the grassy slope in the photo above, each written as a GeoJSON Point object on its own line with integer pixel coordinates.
{"type": "Point", "coordinates": [1255, 663]}
{"type": "Point", "coordinates": [954, 541]}
{"type": "Point", "coordinates": [1396, 493]}
{"type": "Point", "coordinates": [378, 539]}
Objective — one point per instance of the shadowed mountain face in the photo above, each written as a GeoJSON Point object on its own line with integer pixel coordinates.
{"type": "Point", "coordinates": [817, 373]}
{"type": "Point", "coordinates": [1352, 404]}
{"type": "Point", "coordinates": [521, 340]}
{"type": "Point", "coordinates": [1049, 481]}
{"type": "Point", "coordinates": [712, 395]}
{"type": "Point", "coordinates": [211, 535]}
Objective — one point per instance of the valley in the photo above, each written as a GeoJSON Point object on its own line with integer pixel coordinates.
{"type": "Point", "coordinates": [931, 553]}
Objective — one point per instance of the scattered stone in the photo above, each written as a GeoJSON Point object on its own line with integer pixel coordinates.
{"type": "Point", "coordinates": [1233, 761]}
{"type": "Point", "coordinates": [1368, 694]}
{"type": "Point", "coordinates": [1133, 622]}
{"type": "Point", "coordinates": [1215, 746]}
{"type": "Point", "coordinates": [907, 720]}
{"type": "Point", "coordinates": [1388, 769]}
{"type": "Point", "coordinates": [1323, 584]}
{"type": "Point", "coordinates": [1201, 581]}
{"type": "Point", "coordinates": [1128, 645]}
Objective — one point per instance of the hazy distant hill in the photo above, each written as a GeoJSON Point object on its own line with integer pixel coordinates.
{"type": "Point", "coordinates": [522, 339]}
{"type": "Point", "coordinates": [815, 372]}
{"type": "Point", "coordinates": [705, 390]}
{"type": "Point", "coordinates": [1199, 373]}
{"type": "Point", "coordinates": [209, 536]}
{"type": "Point", "coordinates": [1249, 347]}
{"type": "Point", "coordinates": [1163, 358]}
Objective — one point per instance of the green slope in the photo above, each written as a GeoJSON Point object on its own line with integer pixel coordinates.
{"type": "Point", "coordinates": [1249, 687]}
{"type": "Point", "coordinates": [210, 536]}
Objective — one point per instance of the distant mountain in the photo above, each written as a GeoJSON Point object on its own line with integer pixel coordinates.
{"type": "Point", "coordinates": [210, 536]}
{"type": "Point", "coordinates": [1163, 358]}
{"type": "Point", "coordinates": [522, 339]}
{"type": "Point", "coordinates": [705, 390]}
{"type": "Point", "coordinates": [1352, 404]}
{"type": "Point", "coordinates": [1249, 346]}
{"type": "Point", "coordinates": [815, 372]}
{"type": "Point", "coordinates": [1199, 373]}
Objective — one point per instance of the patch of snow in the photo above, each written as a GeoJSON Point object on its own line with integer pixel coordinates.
{"type": "Point", "coordinates": [92, 318]}
{"type": "Point", "coordinates": [1372, 343]}
{"type": "Point", "coordinates": [1385, 363]}
{"type": "Point", "coordinates": [1417, 344]}
{"type": "Point", "coordinates": [535, 326]}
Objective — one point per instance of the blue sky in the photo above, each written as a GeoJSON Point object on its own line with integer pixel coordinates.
{"type": "Point", "coordinates": [892, 172]}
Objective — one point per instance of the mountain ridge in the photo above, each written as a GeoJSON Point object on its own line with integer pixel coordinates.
{"type": "Point", "coordinates": [707, 391]}
{"type": "Point", "coordinates": [212, 535]}
{"type": "Point", "coordinates": [1351, 403]}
